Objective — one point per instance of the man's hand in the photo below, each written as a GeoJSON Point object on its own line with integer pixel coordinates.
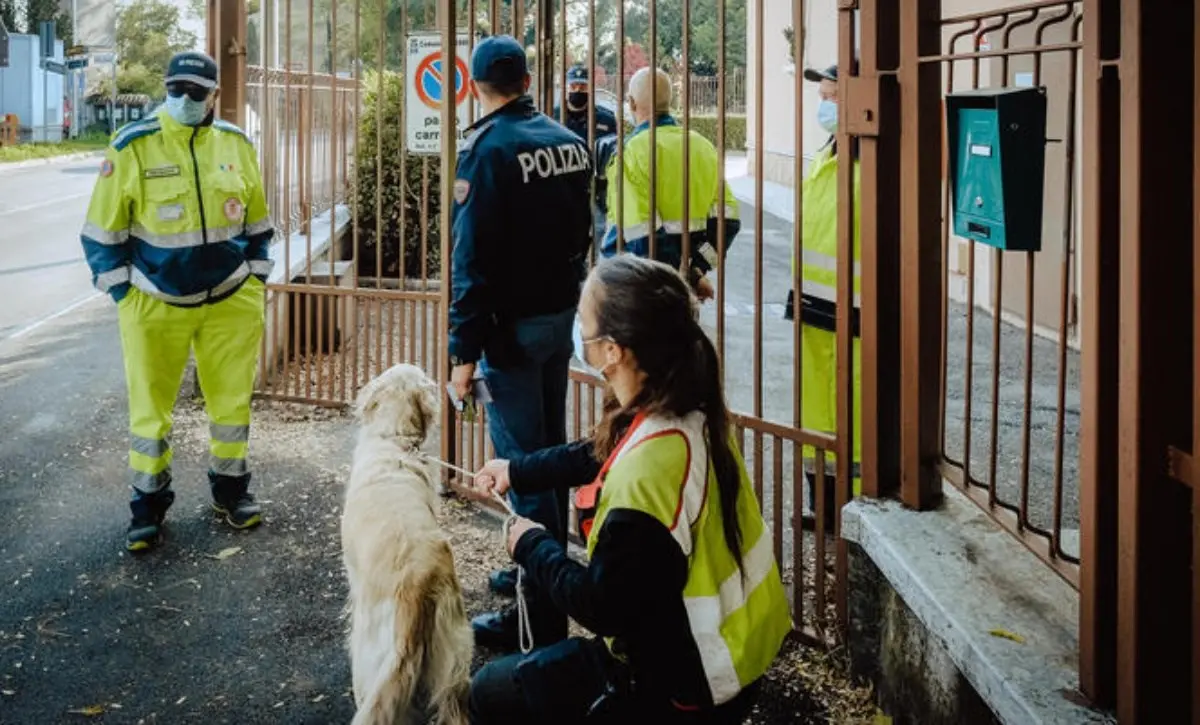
{"type": "Point", "coordinates": [516, 529]}
{"type": "Point", "coordinates": [493, 479]}
{"type": "Point", "coordinates": [461, 378]}
{"type": "Point", "coordinates": [704, 289]}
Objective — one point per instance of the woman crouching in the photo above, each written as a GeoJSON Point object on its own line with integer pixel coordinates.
{"type": "Point", "coordinates": [681, 587]}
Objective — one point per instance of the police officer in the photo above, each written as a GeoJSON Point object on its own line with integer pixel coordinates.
{"type": "Point", "coordinates": [178, 233]}
{"type": "Point", "coordinates": [706, 210]}
{"type": "Point", "coordinates": [522, 225]}
{"type": "Point", "coordinates": [578, 96]}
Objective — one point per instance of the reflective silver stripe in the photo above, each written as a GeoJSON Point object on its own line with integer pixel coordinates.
{"type": "Point", "coordinates": [113, 277]}
{"type": "Point", "coordinates": [182, 240]}
{"type": "Point", "coordinates": [154, 448]}
{"type": "Point", "coordinates": [227, 466]}
{"type": "Point", "coordinates": [827, 262]}
{"type": "Point", "coordinates": [229, 433]}
{"type": "Point", "coordinates": [827, 293]}
{"type": "Point", "coordinates": [151, 482]}
{"type": "Point", "coordinates": [135, 129]}
{"type": "Point", "coordinates": [105, 237]}
{"type": "Point", "coordinates": [262, 267]}
{"type": "Point", "coordinates": [142, 282]}
{"type": "Point", "coordinates": [636, 231]}
{"type": "Point", "coordinates": [731, 212]}
{"type": "Point", "coordinates": [260, 227]}
{"type": "Point", "coordinates": [676, 227]}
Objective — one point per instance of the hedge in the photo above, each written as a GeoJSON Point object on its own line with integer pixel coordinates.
{"type": "Point", "coordinates": [393, 208]}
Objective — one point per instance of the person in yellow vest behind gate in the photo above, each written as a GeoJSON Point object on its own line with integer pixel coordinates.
{"type": "Point", "coordinates": [178, 233]}
{"type": "Point", "coordinates": [682, 588]}
{"type": "Point", "coordinates": [818, 309]}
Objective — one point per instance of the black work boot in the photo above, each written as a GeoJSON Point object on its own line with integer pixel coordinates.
{"type": "Point", "coordinates": [503, 582]}
{"type": "Point", "coordinates": [499, 630]}
{"type": "Point", "coordinates": [232, 501]}
{"type": "Point", "coordinates": [149, 510]}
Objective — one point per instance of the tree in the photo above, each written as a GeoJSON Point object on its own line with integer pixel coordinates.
{"type": "Point", "coordinates": [37, 11]}
{"type": "Point", "coordinates": [148, 34]}
{"type": "Point", "coordinates": [8, 15]}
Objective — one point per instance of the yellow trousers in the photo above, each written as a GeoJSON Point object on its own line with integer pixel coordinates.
{"type": "Point", "coordinates": [156, 338]}
{"type": "Point", "coordinates": [818, 394]}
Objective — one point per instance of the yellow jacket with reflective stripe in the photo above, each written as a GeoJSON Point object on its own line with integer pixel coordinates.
{"type": "Point", "coordinates": [179, 212]}
{"type": "Point", "coordinates": [818, 274]}
{"type": "Point", "coordinates": [738, 618]}
{"type": "Point", "coordinates": [705, 207]}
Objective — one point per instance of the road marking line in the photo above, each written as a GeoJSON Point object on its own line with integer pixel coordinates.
{"type": "Point", "coordinates": [50, 202]}
{"type": "Point", "coordinates": [50, 318]}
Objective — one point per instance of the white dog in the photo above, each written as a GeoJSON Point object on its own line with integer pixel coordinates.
{"type": "Point", "coordinates": [409, 634]}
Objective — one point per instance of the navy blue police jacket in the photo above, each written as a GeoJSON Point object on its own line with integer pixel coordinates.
{"type": "Point", "coordinates": [522, 224]}
{"type": "Point", "coordinates": [606, 128]}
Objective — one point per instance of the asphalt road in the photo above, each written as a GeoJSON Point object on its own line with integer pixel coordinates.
{"type": "Point", "coordinates": [42, 270]}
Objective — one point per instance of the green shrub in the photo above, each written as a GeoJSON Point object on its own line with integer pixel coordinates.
{"type": "Point", "coordinates": [379, 220]}
{"type": "Point", "coordinates": [706, 126]}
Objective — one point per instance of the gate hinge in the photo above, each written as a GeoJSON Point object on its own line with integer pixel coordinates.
{"type": "Point", "coordinates": [862, 105]}
{"type": "Point", "coordinates": [1180, 466]}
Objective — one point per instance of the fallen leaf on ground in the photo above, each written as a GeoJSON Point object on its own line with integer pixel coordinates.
{"type": "Point", "coordinates": [881, 718]}
{"type": "Point", "coordinates": [10, 693]}
{"type": "Point", "coordinates": [180, 700]}
{"type": "Point", "coordinates": [226, 553]}
{"type": "Point", "coordinates": [90, 710]}
{"type": "Point", "coordinates": [1005, 634]}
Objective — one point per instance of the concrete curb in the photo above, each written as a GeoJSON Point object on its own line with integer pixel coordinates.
{"type": "Point", "coordinates": [65, 158]}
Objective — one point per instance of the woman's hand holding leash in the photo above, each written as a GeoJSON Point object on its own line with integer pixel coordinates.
{"type": "Point", "coordinates": [493, 478]}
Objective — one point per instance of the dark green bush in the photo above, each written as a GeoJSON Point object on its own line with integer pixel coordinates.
{"type": "Point", "coordinates": [381, 171]}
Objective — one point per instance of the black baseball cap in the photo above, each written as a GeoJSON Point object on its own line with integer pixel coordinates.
{"type": "Point", "coordinates": [499, 59]}
{"type": "Point", "coordinates": [816, 76]}
{"type": "Point", "coordinates": [577, 74]}
{"type": "Point", "coordinates": [192, 67]}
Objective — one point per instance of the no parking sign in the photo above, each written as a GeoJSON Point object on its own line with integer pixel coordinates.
{"type": "Point", "coordinates": [427, 84]}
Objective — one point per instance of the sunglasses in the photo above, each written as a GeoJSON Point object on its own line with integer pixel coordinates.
{"type": "Point", "coordinates": [191, 90]}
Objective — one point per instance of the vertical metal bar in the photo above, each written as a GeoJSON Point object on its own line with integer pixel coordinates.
{"type": "Point", "coordinates": [1065, 299]}
{"type": "Point", "coordinates": [620, 181]}
{"type": "Point", "coordinates": [721, 182]}
{"type": "Point", "coordinates": [562, 69]}
{"type": "Point", "coordinates": [519, 21]}
{"type": "Point", "coordinates": [653, 222]}
{"type": "Point", "coordinates": [845, 305]}
{"type": "Point", "coordinates": [449, 153]}
{"type": "Point", "coordinates": [591, 108]}
{"type": "Point", "coordinates": [776, 490]}
{"type": "Point", "coordinates": [1195, 376]}
{"type": "Point", "coordinates": [310, 158]}
{"type": "Point", "coordinates": [879, 193]}
{"type": "Point", "coordinates": [920, 258]}
{"type": "Point", "coordinates": [799, 38]}
{"type": "Point", "coordinates": [685, 188]}
{"type": "Point", "coordinates": [821, 615]}
{"type": "Point", "coordinates": [759, 143]}
{"type": "Point", "coordinates": [798, 588]}
{"type": "Point", "coordinates": [494, 16]}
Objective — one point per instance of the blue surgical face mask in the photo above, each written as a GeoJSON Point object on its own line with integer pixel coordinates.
{"type": "Point", "coordinates": [827, 115]}
{"type": "Point", "coordinates": [186, 111]}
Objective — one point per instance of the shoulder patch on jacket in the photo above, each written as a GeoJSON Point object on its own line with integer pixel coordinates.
{"type": "Point", "coordinates": [470, 141]}
{"type": "Point", "coordinates": [134, 131]}
{"type": "Point", "coordinates": [232, 128]}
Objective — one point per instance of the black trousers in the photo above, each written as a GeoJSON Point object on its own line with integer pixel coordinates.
{"type": "Point", "coordinates": [578, 681]}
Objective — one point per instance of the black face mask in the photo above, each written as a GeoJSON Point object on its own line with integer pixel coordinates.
{"type": "Point", "coordinates": [577, 100]}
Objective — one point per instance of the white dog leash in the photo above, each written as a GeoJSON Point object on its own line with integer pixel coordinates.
{"type": "Point", "coordinates": [524, 630]}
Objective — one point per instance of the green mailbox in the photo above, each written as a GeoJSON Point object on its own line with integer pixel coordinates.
{"type": "Point", "coordinates": [996, 139]}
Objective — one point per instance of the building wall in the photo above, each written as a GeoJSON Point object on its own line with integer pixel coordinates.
{"type": "Point", "coordinates": [34, 95]}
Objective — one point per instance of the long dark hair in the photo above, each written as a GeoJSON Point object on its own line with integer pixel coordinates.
{"type": "Point", "coordinates": [648, 308]}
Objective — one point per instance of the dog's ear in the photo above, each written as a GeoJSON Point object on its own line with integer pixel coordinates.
{"type": "Point", "coordinates": [425, 403]}
{"type": "Point", "coordinates": [367, 404]}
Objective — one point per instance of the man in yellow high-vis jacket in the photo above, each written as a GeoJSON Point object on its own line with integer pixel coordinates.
{"type": "Point", "coordinates": [178, 233]}
{"type": "Point", "coordinates": [818, 317]}
{"type": "Point", "coordinates": [706, 211]}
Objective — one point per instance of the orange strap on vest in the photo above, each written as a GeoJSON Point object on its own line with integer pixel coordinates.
{"type": "Point", "coordinates": [588, 497]}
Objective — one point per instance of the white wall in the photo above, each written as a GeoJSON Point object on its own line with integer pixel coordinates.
{"type": "Point", "coordinates": [22, 91]}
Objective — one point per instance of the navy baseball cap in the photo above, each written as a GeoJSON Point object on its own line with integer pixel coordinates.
{"type": "Point", "coordinates": [192, 67]}
{"type": "Point", "coordinates": [577, 74]}
{"type": "Point", "coordinates": [499, 59]}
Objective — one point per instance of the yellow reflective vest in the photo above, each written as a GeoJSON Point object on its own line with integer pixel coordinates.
{"type": "Point", "coordinates": [178, 212]}
{"type": "Point", "coordinates": [738, 618]}
{"type": "Point", "coordinates": [706, 209]}
{"type": "Point", "coordinates": [818, 273]}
